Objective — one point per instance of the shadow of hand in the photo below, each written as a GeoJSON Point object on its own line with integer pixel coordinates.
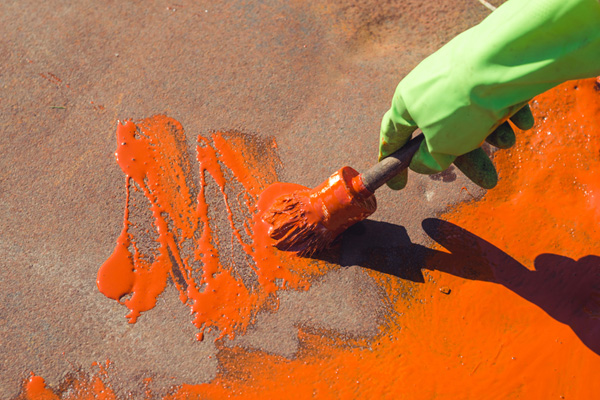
{"type": "Point", "coordinates": [566, 289]}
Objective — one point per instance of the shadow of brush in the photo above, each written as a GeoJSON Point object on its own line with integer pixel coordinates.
{"type": "Point", "coordinates": [385, 248]}
{"type": "Point", "coordinates": [568, 290]}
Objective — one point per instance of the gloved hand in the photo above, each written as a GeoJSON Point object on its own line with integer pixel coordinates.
{"type": "Point", "coordinates": [472, 85]}
{"type": "Point", "coordinates": [476, 165]}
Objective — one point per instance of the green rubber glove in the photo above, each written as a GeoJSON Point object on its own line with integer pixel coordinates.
{"type": "Point", "coordinates": [472, 85]}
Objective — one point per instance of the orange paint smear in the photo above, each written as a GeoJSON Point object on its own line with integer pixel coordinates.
{"type": "Point", "coordinates": [510, 304]}
{"type": "Point", "coordinates": [153, 155]}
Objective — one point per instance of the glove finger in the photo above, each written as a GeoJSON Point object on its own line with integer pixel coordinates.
{"type": "Point", "coordinates": [399, 181]}
{"type": "Point", "coordinates": [503, 137]}
{"type": "Point", "coordinates": [396, 131]}
{"type": "Point", "coordinates": [423, 162]}
{"type": "Point", "coordinates": [393, 135]}
{"type": "Point", "coordinates": [397, 127]}
{"type": "Point", "coordinates": [523, 119]}
{"type": "Point", "coordinates": [477, 166]}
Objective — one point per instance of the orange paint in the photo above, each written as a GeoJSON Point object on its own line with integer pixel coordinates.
{"type": "Point", "coordinates": [153, 155]}
{"type": "Point", "coordinates": [550, 184]}
{"type": "Point", "coordinates": [35, 389]}
{"type": "Point", "coordinates": [484, 324]}
{"type": "Point", "coordinates": [76, 387]}
{"type": "Point", "coordinates": [510, 306]}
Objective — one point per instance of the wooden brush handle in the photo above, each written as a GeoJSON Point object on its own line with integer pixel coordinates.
{"type": "Point", "coordinates": [393, 164]}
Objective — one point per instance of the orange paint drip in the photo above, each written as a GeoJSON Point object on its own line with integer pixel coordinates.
{"type": "Point", "coordinates": [153, 155]}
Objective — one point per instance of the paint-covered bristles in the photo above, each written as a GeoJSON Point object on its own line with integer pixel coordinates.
{"type": "Point", "coordinates": [291, 228]}
{"type": "Point", "coordinates": [306, 221]}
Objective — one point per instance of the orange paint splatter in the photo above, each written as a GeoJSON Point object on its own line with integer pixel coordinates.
{"type": "Point", "coordinates": [153, 155]}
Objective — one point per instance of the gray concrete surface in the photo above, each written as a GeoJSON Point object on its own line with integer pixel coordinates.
{"type": "Point", "coordinates": [315, 75]}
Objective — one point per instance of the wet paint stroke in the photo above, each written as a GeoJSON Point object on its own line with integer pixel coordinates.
{"type": "Point", "coordinates": [509, 307]}
{"type": "Point", "coordinates": [153, 155]}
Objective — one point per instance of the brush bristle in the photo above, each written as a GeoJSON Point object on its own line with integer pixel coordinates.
{"type": "Point", "coordinates": [291, 229]}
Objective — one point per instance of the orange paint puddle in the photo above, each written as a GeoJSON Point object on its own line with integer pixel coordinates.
{"type": "Point", "coordinates": [153, 155]}
{"type": "Point", "coordinates": [510, 307]}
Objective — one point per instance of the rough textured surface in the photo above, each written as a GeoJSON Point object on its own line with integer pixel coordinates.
{"type": "Point", "coordinates": [317, 77]}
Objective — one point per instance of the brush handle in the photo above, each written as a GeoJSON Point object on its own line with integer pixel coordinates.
{"type": "Point", "coordinates": [390, 166]}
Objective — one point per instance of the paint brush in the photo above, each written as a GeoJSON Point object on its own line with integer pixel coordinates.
{"type": "Point", "coordinates": [306, 221]}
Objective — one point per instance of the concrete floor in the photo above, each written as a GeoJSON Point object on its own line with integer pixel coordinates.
{"type": "Point", "coordinates": [317, 76]}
